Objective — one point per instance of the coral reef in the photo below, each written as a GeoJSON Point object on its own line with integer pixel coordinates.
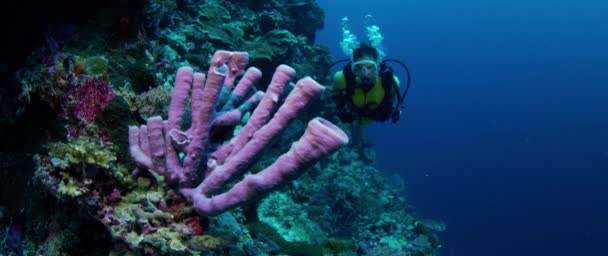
{"type": "Point", "coordinates": [346, 197]}
{"type": "Point", "coordinates": [67, 184]}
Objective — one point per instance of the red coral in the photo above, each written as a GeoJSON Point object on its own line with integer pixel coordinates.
{"type": "Point", "coordinates": [105, 136]}
{"type": "Point", "coordinates": [177, 209]}
{"type": "Point", "coordinates": [114, 196]}
{"type": "Point", "coordinates": [174, 204]}
{"type": "Point", "coordinates": [149, 229]}
{"type": "Point", "coordinates": [74, 132]}
{"type": "Point", "coordinates": [106, 216]}
{"type": "Point", "coordinates": [194, 224]}
{"type": "Point", "coordinates": [87, 97]}
{"type": "Point", "coordinates": [148, 250]}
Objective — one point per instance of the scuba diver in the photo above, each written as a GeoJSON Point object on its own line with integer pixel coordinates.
{"type": "Point", "coordinates": [366, 90]}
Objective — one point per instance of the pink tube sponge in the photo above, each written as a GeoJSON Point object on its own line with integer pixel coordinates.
{"type": "Point", "coordinates": [160, 146]}
{"type": "Point", "coordinates": [321, 138]}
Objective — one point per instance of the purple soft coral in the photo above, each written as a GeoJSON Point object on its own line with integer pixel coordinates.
{"type": "Point", "coordinates": [87, 97]}
{"type": "Point", "coordinates": [215, 106]}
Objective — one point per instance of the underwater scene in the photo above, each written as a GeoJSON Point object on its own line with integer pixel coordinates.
{"type": "Point", "coordinates": [302, 127]}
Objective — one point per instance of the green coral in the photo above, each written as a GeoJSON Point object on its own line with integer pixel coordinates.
{"type": "Point", "coordinates": [139, 209]}
{"type": "Point", "coordinates": [69, 168]}
{"type": "Point", "coordinates": [71, 188]}
{"type": "Point", "coordinates": [206, 242]}
{"type": "Point", "coordinates": [364, 205]}
{"type": "Point", "coordinates": [177, 246]}
{"type": "Point", "coordinates": [289, 219]}
{"type": "Point", "coordinates": [134, 239]}
{"type": "Point", "coordinates": [217, 24]}
{"type": "Point", "coordinates": [96, 65]}
{"type": "Point", "coordinates": [81, 152]}
{"type": "Point", "coordinates": [154, 101]}
{"type": "Point", "coordinates": [273, 45]}
{"type": "Point", "coordinates": [322, 247]}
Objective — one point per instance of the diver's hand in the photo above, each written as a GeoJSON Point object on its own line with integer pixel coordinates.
{"type": "Point", "coordinates": [345, 114]}
{"type": "Point", "coordinates": [396, 115]}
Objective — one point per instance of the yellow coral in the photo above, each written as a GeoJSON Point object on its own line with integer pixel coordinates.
{"type": "Point", "coordinates": [82, 150]}
{"type": "Point", "coordinates": [70, 189]}
{"type": "Point", "coordinates": [134, 239]}
{"type": "Point", "coordinates": [177, 246]}
{"type": "Point", "coordinates": [206, 242]}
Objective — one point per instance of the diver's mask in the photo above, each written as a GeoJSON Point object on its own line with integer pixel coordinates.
{"type": "Point", "coordinates": [365, 72]}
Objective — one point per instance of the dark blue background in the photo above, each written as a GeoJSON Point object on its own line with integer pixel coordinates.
{"type": "Point", "coordinates": [505, 134]}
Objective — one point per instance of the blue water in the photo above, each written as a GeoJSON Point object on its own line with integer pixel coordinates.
{"type": "Point", "coordinates": [505, 134]}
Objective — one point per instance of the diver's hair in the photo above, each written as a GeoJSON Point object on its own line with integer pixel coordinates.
{"type": "Point", "coordinates": [365, 50]}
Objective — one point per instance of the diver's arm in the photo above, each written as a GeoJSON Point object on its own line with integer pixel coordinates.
{"type": "Point", "coordinates": [339, 81]}
{"type": "Point", "coordinates": [397, 112]}
{"type": "Point", "coordinates": [396, 81]}
{"type": "Point", "coordinates": [343, 110]}
{"type": "Point", "coordinates": [339, 86]}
